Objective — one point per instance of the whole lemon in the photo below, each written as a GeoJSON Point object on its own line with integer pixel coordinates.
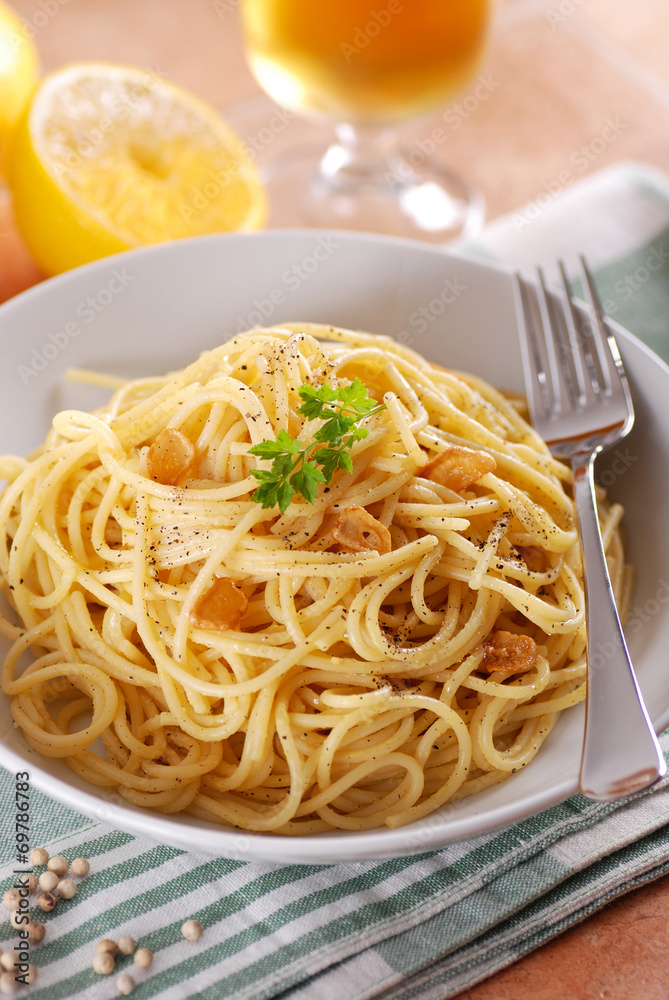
{"type": "Point", "coordinates": [19, 66]}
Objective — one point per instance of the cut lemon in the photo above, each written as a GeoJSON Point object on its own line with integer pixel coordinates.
{"type": "Point", "coordinates": [110, 157]}
{"type": "Point", "coordinates": [19, 66]}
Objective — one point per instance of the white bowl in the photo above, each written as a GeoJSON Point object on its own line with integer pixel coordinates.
{"type": "Point", "coordinates": [154, 309]}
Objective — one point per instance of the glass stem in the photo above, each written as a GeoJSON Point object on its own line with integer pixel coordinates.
{"type": "Point", "coordinates": [362, 158]}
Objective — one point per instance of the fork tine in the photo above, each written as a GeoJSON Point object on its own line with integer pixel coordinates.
{"type": "Point", "coordinates": [575, 338]}
{"type": "Point", "coordinates": [538, 398]}
{"type": "Point", "coordinates": [602, 337]}
{"type": "Point", "coordinates": [614, 375]}
{"type": "Point", "coordinates": [548, 326]}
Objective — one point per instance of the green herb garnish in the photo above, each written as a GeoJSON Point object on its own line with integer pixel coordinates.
{"type": "Point", "coordinates": [298, 468]}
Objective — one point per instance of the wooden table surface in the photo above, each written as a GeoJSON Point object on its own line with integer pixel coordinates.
{"type": "Point", "coordinates": [563, 67]}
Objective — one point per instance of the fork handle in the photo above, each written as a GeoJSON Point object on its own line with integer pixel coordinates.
{"type": "Point", "coordinates": [621, 754]}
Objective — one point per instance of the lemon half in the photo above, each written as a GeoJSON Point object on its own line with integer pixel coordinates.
{"type": "Point", "coordinates": [19, 65]}
{"type": "Point", "coordinates": [111, 157]}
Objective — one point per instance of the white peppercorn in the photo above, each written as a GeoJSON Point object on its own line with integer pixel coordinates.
{"type": "Point", "coordinates": [7, 983]}
{"type": "Point", "coordinates": [191, 930]}
{"type": "Point", "coordinates": [7, 961]}
{"type": "Point", "coordinates": [59, 864]}
{"type": "Point", "coordinates": [48, 881]}
{"type": "Point", "coordinates": [106, 946]}
{"type": "Point", "coordinates": [126, 944]}
{"type": "Point", "coordinates": [32, 883]}
{"type": "Point", "coordinates": [47, 901]}
{"type": "Point", "coordinates": [67, 888]}
{"type": "Point", "coordinates": [143, 957]}
{"type": "Point", "coordinates": [80, 867]}
{"type": "Point", "coordinates": [103, 963]}
{"type": "Point", "coordinates": [125, 984]}
{"type": "Point", "coordinates": [36, 931]}
{"type": "Point", "coordinates": [12, 899]}
{"type": "Point", "coordinates": [39, 856]}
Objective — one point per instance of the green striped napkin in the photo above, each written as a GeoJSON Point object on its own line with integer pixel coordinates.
{"type": "Point", "coordinates": [424, 927]}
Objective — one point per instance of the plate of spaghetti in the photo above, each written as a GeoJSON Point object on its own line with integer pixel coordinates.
{"type": "Point", "coordinates": [286, 574]}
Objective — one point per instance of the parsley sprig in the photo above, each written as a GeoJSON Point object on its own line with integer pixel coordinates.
{"type": "Point", "coordinates": [298, 468]}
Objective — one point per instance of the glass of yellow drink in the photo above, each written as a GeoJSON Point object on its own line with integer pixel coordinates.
{"type": "Point", "coordinates": [367, 67]}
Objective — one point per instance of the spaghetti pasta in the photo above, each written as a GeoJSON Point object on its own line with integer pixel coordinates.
{"type": "Point", "coordinates": [407, 639]}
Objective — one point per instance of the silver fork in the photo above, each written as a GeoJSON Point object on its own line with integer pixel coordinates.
{"type": "Point", "coordinates": [580, 403]}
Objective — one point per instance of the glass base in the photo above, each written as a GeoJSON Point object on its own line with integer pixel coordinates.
{"type": "Point", "coordinates": [354, 181]}
{"type": "Point", "coordinates": [432, 203]}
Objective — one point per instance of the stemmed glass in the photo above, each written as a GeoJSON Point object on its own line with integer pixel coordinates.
{"type": "Point", "coordinates": [367, 68]}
